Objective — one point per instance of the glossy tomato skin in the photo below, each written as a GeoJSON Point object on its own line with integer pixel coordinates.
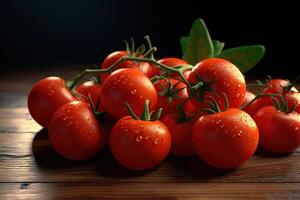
{"type": "Point", "coordinates": [94, 90]}
{"type": "Point", "coordinates": [253, 107]}
{"type": "Point", "coordinates": [226, 79]}
{"type": "Point", "coordinates": [293, 99]}
{"type": "Point", "coordinates": [226, 139]}
{"type": "Point", "coordinates": [140, 145]}
{"type": "Point", "coordinates": [127, 85]}
{"type": "Point", "coordinates": [279, 131]}
{"type": "Point", "coordinates": [181, 134]}
{"type": "Point", "coordinates": [45, 97]}
{"type": "Point", "coordinates": [144, 67]}
{"type": "Point", "coordinates": [74, 131]}
{"type": "Point", "coordinates": [113, 58]}
{"type": "Point", "coordinates": [171, 62]}
{"type": "Point", "coordinates": [275, 86]}
{"type": "Point", "coordinates": [169, 105]}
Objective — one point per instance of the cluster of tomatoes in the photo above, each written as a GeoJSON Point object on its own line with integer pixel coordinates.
{"type": "Point", "coordinates": [144, 109]}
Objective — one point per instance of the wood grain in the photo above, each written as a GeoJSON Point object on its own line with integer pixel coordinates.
{"type": "Point", "coordinates": [165, 191]}
{"type": "Point", "coordinates": [29, 157]}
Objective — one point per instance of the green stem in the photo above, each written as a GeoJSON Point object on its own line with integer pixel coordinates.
{"type": "Point", "coordinates": [147, 38]}
{"type": "Point", "coordinates": [257, 97]}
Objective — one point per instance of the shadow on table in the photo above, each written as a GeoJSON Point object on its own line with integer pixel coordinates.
{"type": "Point", "coordinates": [265, 153]}
{"type": "Point", "coordinates": [188, 168]}
{"type": "Point", "coordinates": [103, 164]}
{"type": "Point", "coordinates": [195, 169]}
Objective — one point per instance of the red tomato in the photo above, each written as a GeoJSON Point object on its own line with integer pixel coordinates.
{"type": "Point", "coordinates": [45, 97]}
{"type": "Point", "coordinates": [113, 58]}
{"type": "Point", "coordinates": [127, 85]}
{"type": "Point", "coordinates": [189, 108]}
{"type": "Point", "coordinates": [226, 139]}
{"type": "Point", "coordinates": [279, 131]}
{"type": "Point", "coordinates": [138, 144]}
{"type": "Point", "coordinates": [223, 77]}
{"type": "Point", "coordinates": [168, 98]}
{"type": "Point", "coordinates": [181, 134]}
{"type": "Point", "coordinates": [144, 67]}
{"type": "Point", "coordinates": [92, 89]}
{"type": "Point", "coordinates": [253, 107]}
{"type": "Point", "coordinates": [172, 62]}
{"type": "Point", "coordinates": [74, 131]}
{"type": "Point", "coordinates": [275, 86]}
{"type": "Point", "coordinates": [293, 98]}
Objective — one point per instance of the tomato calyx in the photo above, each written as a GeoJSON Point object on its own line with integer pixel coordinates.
{"type": "Point", "coordinates": [170, 91]}
{"type": "Point", "coordinates": [200, 88]}
{"type": "Point", "coordinates": [182, 116]}
{"type": "Point", "coordinates": [282, 105]}
{"type": "Point", "coordinates": [214, 106]}
{"type": "Point", "coordinates": [100, 116]}
{"type": "Point", "coordinates": [146, 115]}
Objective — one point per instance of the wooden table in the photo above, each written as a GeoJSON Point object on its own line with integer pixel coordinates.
{"type": "Point", "coordinates": [30, 169]}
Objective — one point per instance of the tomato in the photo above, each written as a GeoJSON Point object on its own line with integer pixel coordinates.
{"type": "Point", "coordinates": [144, 67]}
{"type": "Point", "coordinates": [74, 131]}
{"type": "Point", "coordinates": [226, 139]}
{"type": "Point", "coordinates": [45, 97]}
{"type": "Point", "coordinates": [172, 62]}
{"type": "Point", "coordinates": [220, 76]}
{"type": "Point", "coordinates": [293, 99]}
{"type": "Point", "coordinates": [181, 134]}
{"type": "Point", "coordinates": [139, 144]}
{"type": "Point", "coordinates": [189, 108]}
{"type": "Point", "coordinates": [94, 90]}
{"type": "Point", "coordinates": [127, 85]}
{"type": "Point", "coordinates": [171, 93]}
{"type": "Point", "coordinates": [113, 58]}
{"type": "Point", "coordinates": [279, 131]}
{"type": "Point", "coordinates": [253, 107]}
{"type": "Point", "coordinates": [274, 86]}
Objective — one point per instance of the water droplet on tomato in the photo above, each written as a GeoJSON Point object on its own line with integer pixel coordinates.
{"type": "Point", "coordinates": [139, 138]}
{"type": "Point", "coordinates": [156, 141]}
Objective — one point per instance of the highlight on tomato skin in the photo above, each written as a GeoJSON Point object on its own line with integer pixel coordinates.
{"type": "Point", "coordinates": [144, 67]}
{"type": "Point", "coordinates": [89, 88]}
{"type": "Point", "coordinates": [293, 99]}
{"type": "Point", "coordinates": [45, 97]}
{"type": "Point", "coordinates": [254, 106]}
{"type": "Point", "coordinates": [279, 131]}
{"type": "Point", "coordinates": [74, 132]}
{"type": "Point", "coordinates": [225, 140]}
{"type": "Point", "coordinates": [113, 58]}
{"type": "Point", "coordinates": [219, 76]}
{"type": "Point", "coordinates": [127, 85]}
{"type": "Point", "coordinates": [138, 144]}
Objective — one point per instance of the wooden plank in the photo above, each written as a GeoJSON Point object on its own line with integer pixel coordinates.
{"type": "Point", "coordinates": [17, 120]}
{"type": "Point", "coordinates": [149, 191]}
{"type": "Point", "coordinates": [28, 157]}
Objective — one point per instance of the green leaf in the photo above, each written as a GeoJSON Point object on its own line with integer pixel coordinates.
{"type": "Point", "coordinates": [245, 57]}
{"type": "Point", "coordinates": [183, 42]}
{"type": "Point", "coordinates": [218, 47]}
{"type": "Point", "coordinates": [199, 45]}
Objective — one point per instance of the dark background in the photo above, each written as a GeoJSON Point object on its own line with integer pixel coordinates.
{"type": "Point", "coordinates": [73, 31]}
